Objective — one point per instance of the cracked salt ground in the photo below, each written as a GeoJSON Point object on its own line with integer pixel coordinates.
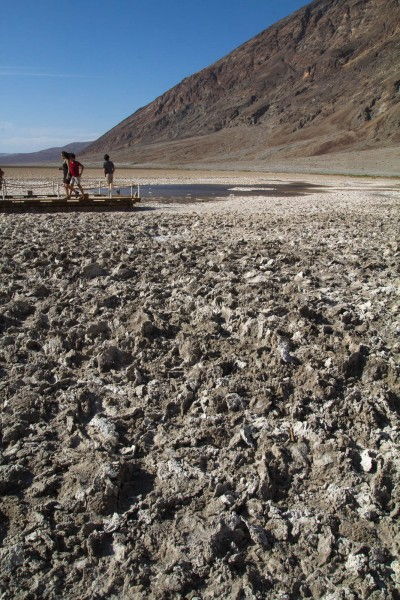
{"type": "Point", "coordinates": [202, 402]}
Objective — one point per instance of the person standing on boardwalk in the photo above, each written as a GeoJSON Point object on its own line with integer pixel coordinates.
{"type": "Point", "coordinates": [75, 169]}
{"type": "Point", "coordinates": [65, 169]}
{"type": "Point", "coordinates": [1, 178]}
{"type": "Point", "coordinates": [109, 169]}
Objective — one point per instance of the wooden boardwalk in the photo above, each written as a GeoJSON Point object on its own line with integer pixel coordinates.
{"type": "Point", "coordinates": [50, 202]}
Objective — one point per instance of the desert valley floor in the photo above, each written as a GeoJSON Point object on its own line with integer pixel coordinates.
{"type": "Point", "coordinates": [200, 400]}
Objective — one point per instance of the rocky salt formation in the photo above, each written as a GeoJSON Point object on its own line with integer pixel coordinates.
{"type": "Point", "coordinates": [201, 403]}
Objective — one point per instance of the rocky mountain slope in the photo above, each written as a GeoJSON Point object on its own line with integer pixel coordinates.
{"type": "Point", "coordinates": [324, 79]}
{"type": "Point", "coordinates": [42, 156]}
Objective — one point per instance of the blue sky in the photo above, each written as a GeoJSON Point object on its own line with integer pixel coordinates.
{"type": "Point", "coordinates": [70, 70]}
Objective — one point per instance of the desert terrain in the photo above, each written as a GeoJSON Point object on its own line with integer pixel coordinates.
{"type": "Point", "coordinates": [337, 174]}
{"type": "Point", "coordinates": [200, 400]}
{"type": "Point", "coordinates": [312, 91]}
{"type": "Point", "coordinates": [318, 91]}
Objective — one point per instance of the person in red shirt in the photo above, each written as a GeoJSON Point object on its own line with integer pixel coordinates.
{"type": "Point", "coordinates": [75, 169]}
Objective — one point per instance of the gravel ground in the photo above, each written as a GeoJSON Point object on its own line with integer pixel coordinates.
{"type": "Point", "coordinates": [201, 401]}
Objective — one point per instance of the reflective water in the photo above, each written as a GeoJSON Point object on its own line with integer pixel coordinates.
{"type": "Point", "coordinates": [166, 193]}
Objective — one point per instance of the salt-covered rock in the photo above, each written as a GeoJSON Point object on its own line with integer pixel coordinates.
{"type": "Point", "coordinates": [93, 270]}
{"type": "Point", "coordinates": [113, 357]}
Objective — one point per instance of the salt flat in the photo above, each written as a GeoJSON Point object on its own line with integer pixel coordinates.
{"type": "Point", "coordinates": [201, 400]}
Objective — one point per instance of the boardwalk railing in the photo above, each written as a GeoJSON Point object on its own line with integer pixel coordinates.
{"type": "Point", "coordinates": [13, 188]}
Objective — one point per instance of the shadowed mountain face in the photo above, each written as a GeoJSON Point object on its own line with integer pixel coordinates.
{"type": "Point", "coordinates": [324, 79]}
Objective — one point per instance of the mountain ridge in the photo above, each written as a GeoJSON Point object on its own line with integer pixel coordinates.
{"type": "Point", "coordinates": [42, 156]}
{"type": "Point", "coordinates": [318, 81]}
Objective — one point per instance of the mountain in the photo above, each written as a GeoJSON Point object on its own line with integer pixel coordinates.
{"type": "Point", "coordinates": [325, 79]}
{"type": "Point", "coordinates": [42, 156]}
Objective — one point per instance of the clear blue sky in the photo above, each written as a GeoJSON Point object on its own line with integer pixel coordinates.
{"type": "Point", "coordinates": [72, 70]}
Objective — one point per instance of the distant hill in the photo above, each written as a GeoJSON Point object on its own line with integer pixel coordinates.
{"type": "Point", "coordinates": [42, 156]}
{"type": "Point", "coordinates": [325, 79]}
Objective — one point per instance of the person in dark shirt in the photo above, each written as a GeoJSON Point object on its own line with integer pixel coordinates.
{"type": "Point", "coordinates": [109, 169]}
{"type": "Point", "coordinates": [65, 170]}
{"type": "Point", "coordinates": [1, 178]}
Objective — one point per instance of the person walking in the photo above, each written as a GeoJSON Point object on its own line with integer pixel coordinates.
{"type": "Point", "coordinates": [109, 169]}
{"type": "Point", "coordinates": [65, 169]}
{"type": "Point", "coordinates": [75, 169]}
{"type": "Point", "coordinates": [1, 178]}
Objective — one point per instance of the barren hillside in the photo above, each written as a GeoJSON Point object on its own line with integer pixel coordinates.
{"type": "Point", "coordinates": [324, 79]}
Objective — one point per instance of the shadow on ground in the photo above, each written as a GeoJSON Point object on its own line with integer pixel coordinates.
{"type": "Point", "coordinates": [20, 208]}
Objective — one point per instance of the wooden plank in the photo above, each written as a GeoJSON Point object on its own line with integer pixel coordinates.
{"type": "Point", "coordinates": [99, 202]}
{"type": "Point", "coordinates": [57, 200]}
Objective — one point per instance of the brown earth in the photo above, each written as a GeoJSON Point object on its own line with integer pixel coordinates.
{"type": "Point", "coordinates": [324, 80]}
{"type": "Point", "coordinates": [382, 162]}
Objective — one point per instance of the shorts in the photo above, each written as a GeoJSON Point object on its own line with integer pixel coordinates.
{"type": "Point", "coordinates": [76, 180]}
{"type": "Point", "coordinates": [109, 177]}
{"type": "Point", "coordinates": [67, 179]}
